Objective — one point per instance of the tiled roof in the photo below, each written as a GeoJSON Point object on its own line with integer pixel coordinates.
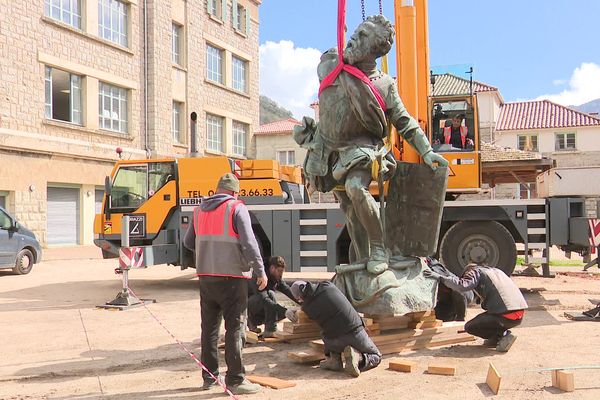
{"type": "Point", "coordinates": [448, 85]}
{"type": "Point", "coordinates": [282, 127]}
{"type": "Point", "coordinates": [492, 153]}
{"type": "Point", "coordinates": [541, 114]}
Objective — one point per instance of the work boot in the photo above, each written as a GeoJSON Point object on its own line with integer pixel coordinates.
{"type": "Point", "coordinates": [332, 363]}
{"type": "Point", "coordinates": [211, 383]}
{"type": "Point", "coordinates": [378, 260]}
{"type": "Point", "coordinates": [351, 360]}
{"type": "Point", "coordinates": [253, 328]}
{"type": "Point", "coordinates": [491, 342]}
{"type": "Point", "coordinates": [268, 334]}
{"type": "Point", "coordinates": [506, 342]}
{"type": "Point", "coordinates": [246, 387]}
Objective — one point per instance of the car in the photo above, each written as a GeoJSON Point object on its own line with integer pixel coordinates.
{"type": "Point", "coordinates": [19, 248]}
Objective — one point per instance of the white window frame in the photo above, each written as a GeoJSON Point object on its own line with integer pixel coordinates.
{"type": "Point", "coordinates": [285, 160]}
{"type": "Point", "coordinates": [215, 126]}
{"type": "Point", "coordinates": [239, 71]}
{"type": "Point", "coordinates": [65, 11]}
{"type": "Point", "coordinates": [177, 125]}
{"type": "Point", "coordinates": [176, 44]}
{"type": "Point", "coordinates": [240, 18]}
{"type": "Point", "coordinates": [75, 97]}
{"type": "Point", "coordinates": [112, 108]}
{"type": "Point", "coordinates": [530, 137]}
{"type": "Point", "coordinates": [214, 64]}
{"type": "Point", "coordinates": [240, 137]}
{"type": "Point", "coordinates": [115, 28]}
{"type": "Point", "coordinates": [565, 141]}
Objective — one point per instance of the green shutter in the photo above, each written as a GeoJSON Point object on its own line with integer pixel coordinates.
{"type": "Point", "coordinates": [208, 6]}
{"type": "Point", "coordinates": [234, 13]}
{"type": "Point", "coordinates": [248, 27]}
{"type": "Point", "coordinates": [224, 10]}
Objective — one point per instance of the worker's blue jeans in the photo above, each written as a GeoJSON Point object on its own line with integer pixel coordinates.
{"type": "Point", "coordinates": [222, 297]}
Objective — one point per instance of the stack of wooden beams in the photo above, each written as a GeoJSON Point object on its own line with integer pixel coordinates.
{"type": "Point", "coordinates": [303, 330]}
{"type": "Point", "coordinates": [398, 333]}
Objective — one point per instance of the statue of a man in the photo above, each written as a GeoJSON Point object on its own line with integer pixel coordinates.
{"type": "Point", "coordinates": [350, 133]}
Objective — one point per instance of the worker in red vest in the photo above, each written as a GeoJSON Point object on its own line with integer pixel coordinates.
{"type": "Point", "coordinates": [456, 135]}
{"type": "Point", "coordinates": [226, 252]}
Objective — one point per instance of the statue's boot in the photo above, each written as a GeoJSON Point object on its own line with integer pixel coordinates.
{"type": "Point", "coordinates": [333, 362]}
{"type": "Point", "coordinates": [378, 260]}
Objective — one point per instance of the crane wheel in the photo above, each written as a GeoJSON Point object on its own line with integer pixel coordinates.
{"type": "Point", "coordinates": [480, 242]}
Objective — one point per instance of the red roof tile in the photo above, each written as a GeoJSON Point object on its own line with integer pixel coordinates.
{"type": "Point", "coordinates": [283, 127]}
{"type": "Point", "coordinates": [449, 85]}
{"type": "Point", "coordinates": [541, 114]}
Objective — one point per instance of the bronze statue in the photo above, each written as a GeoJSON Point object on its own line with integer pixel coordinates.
{"type": "Point", "coordinates": [344, 147]}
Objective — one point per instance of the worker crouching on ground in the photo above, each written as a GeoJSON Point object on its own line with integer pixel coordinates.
{"type": "Point", "coordinates": [342, 328]}
{"type": "Point", "coordinates": [501, 299]}
{"type": "Point", "coordinates": [225, 249]}
{"type": "Point", "coordinates": [262, 304]}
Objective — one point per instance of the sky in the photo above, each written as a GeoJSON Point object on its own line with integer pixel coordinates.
{"type": "Point", "coordinates": [528, 49]}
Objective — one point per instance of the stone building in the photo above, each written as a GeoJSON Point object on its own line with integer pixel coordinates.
{"type": "Point", "coordinates": [81, 78]}
{"type": "Point", "coordinates": [274, 141]}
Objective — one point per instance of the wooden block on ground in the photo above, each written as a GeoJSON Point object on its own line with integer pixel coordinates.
{"type": "Point", "coordinates": [269, 381]}
{"type": "Point", "coordinates": [271, 340]}
{"type": "Point", "coordinates": [563, 380]}
{"type": "Point", "coordinates": [291, 327]}
{"type": "Point", "coordinates": [425, 324]}
{"type": "Point", "coordinates": [442, 369]}
{"type": "Point", "coordinates": [288, 337]}
{"type": "Point", "coordinates": [421, 315]}
{"type": "Point", "coordinates": [251, 337]}
{"type": "Point", "coordinates": [302, 317]}
{"type": "Point", "coordinates": [493, 379]}
{"type": "Point", "coordinates": [403, 365]}
{"type": "Point", "coordinates": [317, 344]}
{"type": "Point", "coordinates": [367, 321]}
{"type": "Point", "coordinates": [306, 357]}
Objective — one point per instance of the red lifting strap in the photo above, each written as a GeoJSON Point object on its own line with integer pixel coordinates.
{"type": "Point", "coordinates": [352, 70]}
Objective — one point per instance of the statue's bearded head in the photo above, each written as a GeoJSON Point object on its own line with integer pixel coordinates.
{"type": "Point", "coordinates": [372, 39]}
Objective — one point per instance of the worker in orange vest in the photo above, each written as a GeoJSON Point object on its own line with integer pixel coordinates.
{"type": "Point", "coordinates": [456, 135]}
{"type": "Point", "coordinates": [226, 252]}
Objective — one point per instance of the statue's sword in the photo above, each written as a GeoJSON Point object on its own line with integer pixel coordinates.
{"type": "Point", "coordinates": [382, 171]}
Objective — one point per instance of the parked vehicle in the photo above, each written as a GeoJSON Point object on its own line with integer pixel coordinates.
{"type": "Point", "coordinates": [19, 248]}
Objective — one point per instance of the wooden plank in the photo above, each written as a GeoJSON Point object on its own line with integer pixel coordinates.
{"type": "Point", "coordinates": [306, 357]}
{"type": "Point", "coordinates": [269, 381]}
{"type": "Point", "coordinates": [291, 327]}
{"type": "Point", "coordinates": [302, 317]}
{"type": "Point", "coordinates": [441, 369]}
{"type": "Point", "coordinates": [367, 321]}
{"type": "Point", "coordinates": [272, 340]}
{"type": "Point", "coordinates": [493, 379]}
{"type": "Point", "coordinates": [403, 365]}
{"type": "Point", "coordinates": [317, 345]}
{"type": "Point", "coordinates": [251, 337]}
{"type": "Point", "coordinates": [425, 324]}
{"type": "Point", "coordinates": [563, 380]}
{"type": "Point", "coordinates": [286, 336]}
{"type": "Point", "coordinates": [421, 315]}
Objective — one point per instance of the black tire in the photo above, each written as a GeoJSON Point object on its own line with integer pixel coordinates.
{"type": "Point", "coordinates": [481, 242]}
{"type": "Point", "coordinates": [24, 262]}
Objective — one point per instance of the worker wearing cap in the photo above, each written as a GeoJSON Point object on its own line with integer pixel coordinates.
{"type": "Point", "coordinates": [226, 254]}
{"type": "Point", "coordinates": [342, 328]}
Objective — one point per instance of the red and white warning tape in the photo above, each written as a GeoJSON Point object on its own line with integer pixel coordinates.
{"type": "Point", "coordinates": [192, 355]}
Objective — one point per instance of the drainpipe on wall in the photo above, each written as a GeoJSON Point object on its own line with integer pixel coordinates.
{"type": "Point", "coordinates": [146, 146]}
{"type": "Point", "coordinates": [193, 140]}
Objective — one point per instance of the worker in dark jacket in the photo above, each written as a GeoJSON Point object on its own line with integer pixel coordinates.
{"type": "Point", "coordinates": [342, 328]}
{"type": "Point", "coordinates": [262, 304]}
{"type": "Point", "coordinates": [501, 299]}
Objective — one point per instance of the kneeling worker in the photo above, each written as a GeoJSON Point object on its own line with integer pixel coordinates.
{"type": "Point", "coordinates": [262, 305]}
{"type": "Point", "coordinates": [501, 299]}
{"type": "Point", "coordinates": [342, 328]}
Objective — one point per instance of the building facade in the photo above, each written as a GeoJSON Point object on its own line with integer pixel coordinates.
{"type": "Point", "coordinates": [81, 78]}
{"type": "Point", "coordinates": [274, 141]}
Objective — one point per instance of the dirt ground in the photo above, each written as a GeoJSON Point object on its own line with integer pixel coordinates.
{"type": "Point", "coordinates": [55, 344]}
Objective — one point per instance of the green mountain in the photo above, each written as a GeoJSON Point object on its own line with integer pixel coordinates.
{"type": "Point", "coordinates": [271, 111]}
